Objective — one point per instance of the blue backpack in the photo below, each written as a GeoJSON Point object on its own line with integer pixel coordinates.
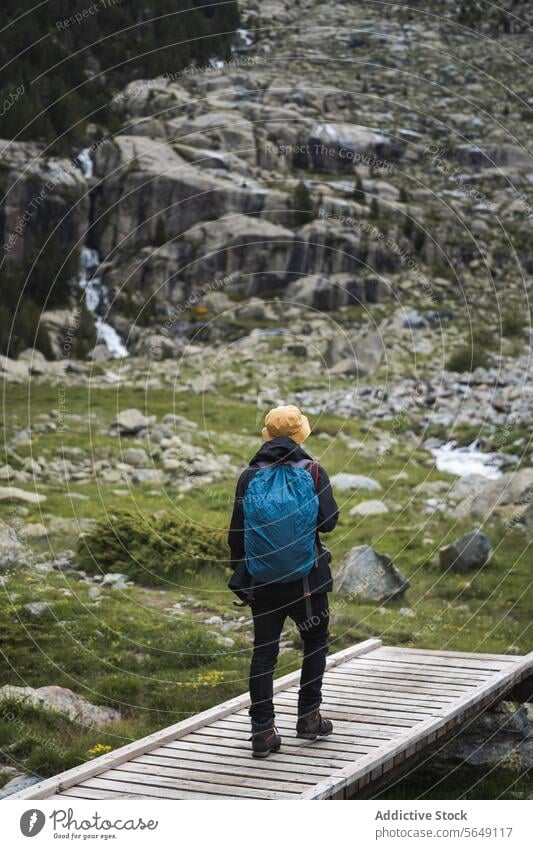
{"type": "Point", "coordinates": [280, 521]}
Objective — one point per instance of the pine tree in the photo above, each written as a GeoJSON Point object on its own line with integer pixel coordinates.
{"type": "Point", "coordinates": [359, 193]}
{"type": "Point", "coordinates": [302, 204]}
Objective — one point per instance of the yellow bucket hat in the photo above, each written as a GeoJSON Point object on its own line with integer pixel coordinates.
{"type": "Point", "coordinates": [286, 421]}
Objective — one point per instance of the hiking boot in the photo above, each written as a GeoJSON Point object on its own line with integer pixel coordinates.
{"type": "Point", "coordinates": [265, 739]}
{"type": "Point", "coordinates": [312, 725]}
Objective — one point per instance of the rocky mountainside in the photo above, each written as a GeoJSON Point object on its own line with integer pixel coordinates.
{"type": "Point", "coordinates": [346, 155]}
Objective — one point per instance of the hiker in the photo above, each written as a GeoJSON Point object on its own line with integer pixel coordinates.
{"type": "Point", "coordinates": [283, 499]}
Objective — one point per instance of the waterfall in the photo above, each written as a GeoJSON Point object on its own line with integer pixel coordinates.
{"type": "Point", "coordinates": [95, 293]}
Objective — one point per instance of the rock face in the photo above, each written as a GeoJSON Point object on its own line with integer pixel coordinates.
{"type": "Point", "coordinates": [50, 191]}
{"type": "Point", "coordinates": [501, 737]}
{"type": "Point", "coordinates": [470, 552]}
{"type": "Point", "coordinates": [370, 576]}
{"type": "Point", "coordinates": [12, 553]}
{"type": "Point", "coordinates": [63, 700]}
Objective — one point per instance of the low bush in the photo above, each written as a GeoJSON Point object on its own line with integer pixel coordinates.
{"type": "Point", "coordinates": [152, 549]}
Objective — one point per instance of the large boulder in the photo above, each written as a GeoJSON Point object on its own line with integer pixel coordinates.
{"type": "Point", "coordinates": [63, 700]}
{"type": "Point", "coordinates": [259, 251]}
{"type": "Point", "coordinates": [358, 356]}
{"type": "Point", "coordinates": [509, 494]}
{"type": "Point", "coordinates": [339, 289]}
{"type": "Point", "coordinates": [470, 552]}
{"type": "Point", "coordinates": [370, 576]}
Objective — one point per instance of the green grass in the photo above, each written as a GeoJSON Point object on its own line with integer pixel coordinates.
{"type": "Point", "coordinates": [131, 653]}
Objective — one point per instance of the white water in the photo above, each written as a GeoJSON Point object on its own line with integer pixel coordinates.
{"type": "Point", "coordinates": [94, 290]}
{"type": "Point", "coordinates": [469, 460]}
{"type": "Point", "coordinates": [84, 161]}
{"type": "Point", "coordinates": [108, 335]}
{"type": "Point", "coordinates": [246, 37]}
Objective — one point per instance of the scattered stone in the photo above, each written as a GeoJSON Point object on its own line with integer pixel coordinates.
{"type": "Point", "coordinates": [12, 493]}
{"type": "Point", "coordinates": [12, 553]}
{"type": "Point", "coordinates": [116, 581]}
{"type": "Point", "coordinates": [63, 700]}
{"type": "Point", "coordinates": [470, 552]}
{"type": "Point", "coordinates": [408, 612]}
{"type": "Point", "coordinates": [214, 620]}
{"type": "Point", "coordinates": [136, 457]}
{"type": "Point", "coordinates": [369, 508]}
{"type": "Point", "coordinates": [344, 482]}
{"type": "Point", "coordinates": [37, 608]}
{"type": "Point", "coordinates": [33, 531]}
{"type": "Point", "coordinates": [370, 575]}
{"type": "Point", "coordinates": [129, 422]}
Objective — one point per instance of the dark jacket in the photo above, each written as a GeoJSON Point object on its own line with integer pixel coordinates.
{"type": "Point", "coordinates": [320, 580]}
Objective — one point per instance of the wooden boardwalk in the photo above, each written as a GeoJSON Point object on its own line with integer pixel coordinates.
{"type": "Point", "coordinates": [387, 704]}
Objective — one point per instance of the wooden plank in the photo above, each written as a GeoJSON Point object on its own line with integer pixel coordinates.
{"type": "Point", "coordinates": [396, 673]}
{"type": "Point", "coordinates": [117, 789]}
{"type": "Point", "coordinates": [269, 768]}
{"type": "Point", "coordinates": [355, 714]}
{"type": "Point", "coordinates": [350, 774]}
{"type": "Point", "coordinates": [179, 729]}
{"type": "Point", "coordinates": [406, 699]}
{"type": "Point", "coordinates": [387, 708]}
{"type": "Point", "coordinates": [434, 661]}
{"type": "Point", "coordinates": [420, 671]}
{"type": "Point", "coordinates": [289, 737]}
{"type": "Point", "coordinates": [378, 683]}
{"type": "Point", "coordinates": [212, 776]}
{"type": "Point", "coordinates": [330, 744]}
{"type": "Point", "coordinates": [139, 782]}
{"type": "Point", "coordinates": [93, 793]}
{"type": "Point", "coordinates": [289, 714]}
{"type": "Point", "coordinates": [301, 757]}
{"type": "Point", "coordinates": [286, 730]}
{"type": "Point", "coordinates": [320, 748]}
{"type": "Point", "coordinates": [449, 653]}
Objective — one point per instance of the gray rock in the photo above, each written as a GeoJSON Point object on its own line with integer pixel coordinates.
{"type": "Point", "coordinates": [12, 493]}
{"type": "Point", "coordinates": [33, 531]}
{"type": "Point", "coordinates": [371, 576]}
{"type": "Point", "coordinates": [63, 700]}
{"type": "Point", "coordinates": [345, 481]}
{"type": "Point", "coordinates": [130, 422]}
{"type": "Point", "coordinates": [18, 784]}
{"type": "Point", "coordinates": [510, 492]}
{"type": "Point", "coordinates": [136, 457]}
{"type": "Point", "coordinates": [116, 581]}
{"type": "Point", "coordinates": [12, 551]}
{"type": "Point", "coordinates": [470, 552]}
{"type": "Point", "coordinates": [369, 508]}
{"type": "Point", "coordinates": [146, 476]}
{"type": "Point", "coordinates": [37, 608]}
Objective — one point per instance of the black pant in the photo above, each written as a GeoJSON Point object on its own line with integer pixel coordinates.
{"type": "Point", "coordinates": [269, 616]}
